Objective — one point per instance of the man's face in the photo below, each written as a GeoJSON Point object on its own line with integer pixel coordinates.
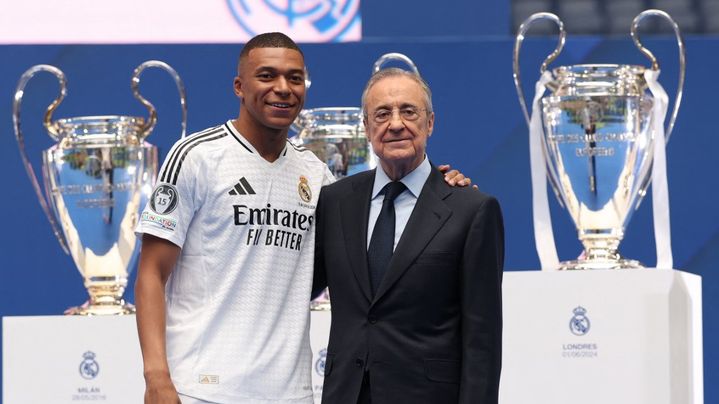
{"type": "Point", "coordinates": [400, 140]}
{"type": "Point", "coordinates": [271, 85]}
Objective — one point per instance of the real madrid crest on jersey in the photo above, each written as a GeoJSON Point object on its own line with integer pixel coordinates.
{"type": "Point", "coordinates": [89, 368]}
{"type": "Point", "coordinates": [304, 189]}
{"type": "Point", "coordinates": [579, 324]}
{"type": "Point", "coordinates": [164, 199]}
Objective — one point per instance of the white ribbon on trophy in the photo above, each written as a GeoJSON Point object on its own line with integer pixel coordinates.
{"type": "Point", "coordinates": [543, 233]}
{"type": "Point", "coordinates": [660, 187]}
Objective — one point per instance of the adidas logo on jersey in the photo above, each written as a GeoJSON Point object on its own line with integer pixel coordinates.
{"type": "Point", "coordinates": [242, 188]}
{"type": "Point", "coordinates": [209, 379]}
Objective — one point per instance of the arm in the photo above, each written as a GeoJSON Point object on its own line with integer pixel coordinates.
{"type": "Point", "coordinates": [157, 259]}
{"type": "Point", "coordinates": [319, 280]}
{"type": "Point", "coordinates": [481, 300]}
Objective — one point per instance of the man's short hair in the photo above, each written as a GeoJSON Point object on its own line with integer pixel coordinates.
{"type": "Point", "coordinates": [397, 72]}
{"type": "Point", "coordinates": [269, 40]}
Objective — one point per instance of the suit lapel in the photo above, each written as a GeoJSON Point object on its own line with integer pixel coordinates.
{"type": "Point", "coordinates": [429, 215]}
{"type": "Point", "coordinates": [354, 210]}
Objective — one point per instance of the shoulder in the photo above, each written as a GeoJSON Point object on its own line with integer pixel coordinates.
{"type": "Point", "coordinates": [349, 184]}
{"type": "Point", "coordinates": [202, 141]}
{"type": "Point", "coordinates": [191, 151]}
{"type": "Point", "coordinates": [473, 203]}
{"type": "Point", "coordinates": [460, 197]}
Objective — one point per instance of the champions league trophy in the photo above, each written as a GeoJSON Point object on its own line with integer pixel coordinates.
{"type": "Point", "coordinates": [599, 134]}
{"type": "Point", "coordinates": [336, 135]}
{"type": "Point", "coordinates": [97, 178]}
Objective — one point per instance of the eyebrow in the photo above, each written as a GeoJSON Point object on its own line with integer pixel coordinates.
{"type": "Point", "coordinates": [274, 69]}
{"type": "Point", "coordinates": [401, 106]}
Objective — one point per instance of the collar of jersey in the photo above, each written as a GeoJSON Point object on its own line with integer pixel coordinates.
{"type": "Point", "coordinates": [246, 143]}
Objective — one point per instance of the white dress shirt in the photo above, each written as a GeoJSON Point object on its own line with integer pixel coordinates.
{"type": "Point", "coordinates": [404, 204]}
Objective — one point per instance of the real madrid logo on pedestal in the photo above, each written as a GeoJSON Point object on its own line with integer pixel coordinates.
{"type": "Point", "coordinates": [579, 324]}
{"type": "Point", "coordinates": [89, 368]}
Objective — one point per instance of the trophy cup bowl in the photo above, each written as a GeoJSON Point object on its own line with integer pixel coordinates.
{"type": "Point", "coordinates": [97, 179]}
{"type": "Point", "coordinates": [336, 136]}
{"type": "Point", "coordinates": [598, 142]}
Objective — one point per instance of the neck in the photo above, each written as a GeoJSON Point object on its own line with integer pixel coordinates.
{"type": "Point", "coordinates": [269, 142]}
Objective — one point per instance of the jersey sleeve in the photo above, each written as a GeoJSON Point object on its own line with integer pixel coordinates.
{"type": "Point", "coordinates": [174, 199]}
{"type": "Point", "coordinates": [328, 177]}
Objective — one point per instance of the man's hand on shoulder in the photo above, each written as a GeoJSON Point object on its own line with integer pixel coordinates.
{"type": "Point", "coordinates": [454, 177]}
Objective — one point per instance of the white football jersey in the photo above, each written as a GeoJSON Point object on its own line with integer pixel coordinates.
{"type": "Point", "coordinates": [237, 300]}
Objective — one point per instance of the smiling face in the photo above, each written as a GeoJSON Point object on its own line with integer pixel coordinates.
{"type": "Point", "coordinates": [400, 142]}
{"type": "Point", "coordinates": [271, 85]}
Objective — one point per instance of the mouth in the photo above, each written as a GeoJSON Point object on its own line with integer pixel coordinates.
{"type": "Point", "coordinates": [280, 105]}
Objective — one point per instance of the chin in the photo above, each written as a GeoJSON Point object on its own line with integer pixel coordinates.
{"type": "Point", "coordinates": [280, 123]}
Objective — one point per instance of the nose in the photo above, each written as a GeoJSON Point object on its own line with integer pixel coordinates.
{"type": "Point", "coordinates": [281, 86]}
{"type": "Point", "coordinates": [395, 121]}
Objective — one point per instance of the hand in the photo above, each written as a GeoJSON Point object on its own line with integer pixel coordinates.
{"type": "Point", "coordinates": [454, 177]}
{"type": "Point", "coordinates": [160, 390]}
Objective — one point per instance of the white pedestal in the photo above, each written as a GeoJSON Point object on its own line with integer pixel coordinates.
{"type": "Point", "coordinates": [319, 336]}
{"type": "Point", "coordinates": [638, 341]}
{"type": "Point", "coordinates": [44, 360]}
{"type": "Point", "coordinates": [637, 338]}
{"type": "Point", "coordinates": [43, 356]}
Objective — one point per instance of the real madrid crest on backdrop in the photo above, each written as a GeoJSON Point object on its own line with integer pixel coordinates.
{"type": "Point", "coordinates": [599, 136]}
{"type": "Point", "coordinates": [319, 20]}
{"type": "Point", "coordinates": [97, 179]}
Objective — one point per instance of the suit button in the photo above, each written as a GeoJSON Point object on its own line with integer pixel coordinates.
{"type": "Point", "coordinates": [359, 362]}
{"type": "Point", "coordinates": [372, 319]}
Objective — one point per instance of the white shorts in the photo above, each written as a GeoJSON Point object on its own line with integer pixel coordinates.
{"type": "Point", "coordinates": [192, 400]}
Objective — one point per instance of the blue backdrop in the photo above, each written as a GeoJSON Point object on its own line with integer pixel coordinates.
{"type": "Point", "coordinates": [479, 129]}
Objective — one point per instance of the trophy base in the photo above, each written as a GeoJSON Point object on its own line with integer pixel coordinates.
{"type": "Point", "coordinates": [583, 264]}
{"type": "Point", "coordinates": [320, 305]}
{"type": "Point", "coordinates": [87, 309]}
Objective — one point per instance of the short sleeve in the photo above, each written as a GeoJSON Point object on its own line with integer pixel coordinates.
{"type": "Point", "coordinates": [174, 199]}
{"type": "Point", "coordinates": [328, 178]}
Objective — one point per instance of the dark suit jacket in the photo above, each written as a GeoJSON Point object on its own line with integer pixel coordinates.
{"type": "Point", "coordinates": [432, 333]}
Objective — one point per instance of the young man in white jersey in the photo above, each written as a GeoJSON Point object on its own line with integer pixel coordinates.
{"type": "Point", "coordinates": [225, 271]}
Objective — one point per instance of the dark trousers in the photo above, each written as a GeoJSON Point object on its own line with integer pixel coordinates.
{"type": "Point", "coordinates": [364, 395]}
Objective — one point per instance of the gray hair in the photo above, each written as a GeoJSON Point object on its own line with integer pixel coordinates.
{"type": "Point", "coordinates": [397, 72]}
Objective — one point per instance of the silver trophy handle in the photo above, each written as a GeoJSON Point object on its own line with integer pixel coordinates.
{"type": "Point", "coordinates": [135, 85]}
{"type": "Point", "coordinates": [308, 81]}
{"type": "Point", "coordinates": [655, 65]}
{"type": "Point", "coordinates": [518, 46]}
{"type": "Point", "coordinates": [394, 56]}
{"type": "Point", "coordinates": [52, 130]}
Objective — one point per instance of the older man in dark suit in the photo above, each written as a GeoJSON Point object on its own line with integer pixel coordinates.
{"type": "Point", "coordinates": [414, 267]}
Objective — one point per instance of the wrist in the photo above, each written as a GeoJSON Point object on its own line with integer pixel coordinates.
{"type": "Point", "coordinates": [157, 375]}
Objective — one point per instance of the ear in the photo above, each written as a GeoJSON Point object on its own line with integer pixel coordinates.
{"type": "Point", "coordinates": [430, 123]}
{"type": "Point", "coordinates": [237, 85]}
{"type": "Point", "coordinates": [366, 129]}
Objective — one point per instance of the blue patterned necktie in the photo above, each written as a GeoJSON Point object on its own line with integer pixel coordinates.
{"type": "Point", "coordinates": [382, 244]}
